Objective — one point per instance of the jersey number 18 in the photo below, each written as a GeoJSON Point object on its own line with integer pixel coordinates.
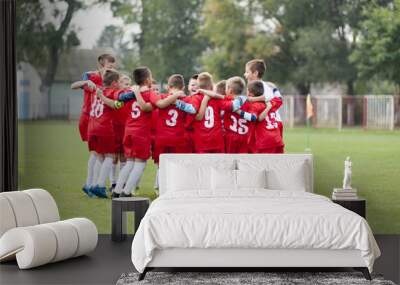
{"type": "Point", "coordinates": [97, 108]}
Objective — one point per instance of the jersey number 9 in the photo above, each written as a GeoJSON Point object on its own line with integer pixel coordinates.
{"type": "Point", "coordinates": [209, 118]}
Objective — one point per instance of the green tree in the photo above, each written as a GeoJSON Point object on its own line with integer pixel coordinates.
{"type": "Point", "coordinates": [168, 41]}
{"type": "Point", "coordinates": [378, 52]}
{"type": "Point", "coordinates": [114, 37]}
{"type": "Point", "coordinates": [315, 39]}
{"type": "Point", "coordinates": [232, 37]}
{"type": "Point", "coordinates": [41, 38]}
{"type": "Point", "coordinates": [44, 31]}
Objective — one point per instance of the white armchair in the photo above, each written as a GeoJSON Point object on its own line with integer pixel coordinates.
{"type": "Point", "coordinates": [32, 233]}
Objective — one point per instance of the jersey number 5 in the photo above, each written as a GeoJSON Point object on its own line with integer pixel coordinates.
{"type": "Point", "coordinates": [209, 118]}
{"type": "Point", "coordinates": [135, 110]}
{"type": "Point", "coordinates": [174, 116]}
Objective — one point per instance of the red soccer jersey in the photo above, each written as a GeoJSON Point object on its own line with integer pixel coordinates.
{"type": "Point", "coordinates": [266, 133]}
{"type": "Point", "coordinates": [154, 118]}
{"type": "Point", "coordinates": [208, 133]}
{"type": "Point", "coordinates": [101, 116]}
{"type": "Point", "coordinates": [234, 124]}
{"type": "Point", "coordinates": [170, 126]}
{"type": "Point", "coordinates": [95, 77]}
{"type": "Point", "coordinates": [138, 123]}
{"type": "Point", "coordinates": [121, 115]}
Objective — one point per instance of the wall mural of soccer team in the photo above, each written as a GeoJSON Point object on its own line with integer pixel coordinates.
{"type": "Point", "coordinates": [129, 123]}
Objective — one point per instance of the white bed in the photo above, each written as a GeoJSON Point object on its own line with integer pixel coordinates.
{"type": "Point", "coordinates": [247, 211]}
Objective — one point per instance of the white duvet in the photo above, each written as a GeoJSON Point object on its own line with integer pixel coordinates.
{"type": "Point", "coordinates": [250, 219]}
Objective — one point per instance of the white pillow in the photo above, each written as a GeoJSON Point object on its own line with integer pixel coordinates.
{"type": "Point", "coordinates": [288, 174]}
{"type": "Point", "coordinates": [181, 177]}
{"type": "Point", "coordinates": [291, 177]}
{"type": "Point", "coordinates": [251, 178]}
{"type": "Point", "coordinates": [223, 179]}
{"type": "Point", "coordinates": [193, 174]}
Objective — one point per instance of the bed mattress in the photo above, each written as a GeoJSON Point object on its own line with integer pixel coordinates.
{"type": "Point", "coordinates": [250, 219]}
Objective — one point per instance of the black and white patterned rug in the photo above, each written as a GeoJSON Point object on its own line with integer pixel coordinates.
{"type": "Point", "coordinates": [243, 278]}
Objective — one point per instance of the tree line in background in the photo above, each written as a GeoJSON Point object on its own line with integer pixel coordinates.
{"type": "Point", "coordinates": [353, 42]}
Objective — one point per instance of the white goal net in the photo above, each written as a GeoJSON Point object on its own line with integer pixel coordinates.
{"type": "Point", "coordinates": [327, 111]}
{"type": "Point", "coordinates": [379, 112]}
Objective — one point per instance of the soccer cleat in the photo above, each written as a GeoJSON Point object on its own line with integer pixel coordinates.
{"type": "Point", "coordinates": [87, 191]}
{"type": "Point", "coordinates": [123, 194]}
{"type": "Point", "coordinates": [99, 191]}
{"type": "Point", "coordinates": [115, 195]}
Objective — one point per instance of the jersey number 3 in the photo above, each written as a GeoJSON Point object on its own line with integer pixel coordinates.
{"type": "Point", "coordinates": [135, 110]}
{"type": "Point", "coordinates": [174, 116]}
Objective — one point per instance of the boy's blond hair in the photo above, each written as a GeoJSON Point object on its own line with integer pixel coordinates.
{"type": "Point", "coordinates": [176, 81]}
{"type": "Point", "coordinates": [236, 84]}
{"type": "Point", "coordinates": [205, 80]}
{"type": "Point", "coordinates": [220, 87]}
{"type": "Point", "coordinates": [125, 76]}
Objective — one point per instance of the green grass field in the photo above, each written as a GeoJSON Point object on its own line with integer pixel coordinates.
{"type": "Point", "coordinates": [51, 156]}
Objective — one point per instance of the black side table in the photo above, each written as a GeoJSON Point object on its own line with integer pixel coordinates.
{"type": "Point", "coordinates": [120, 206]}
{"type": "Point", "coordinates": [358, 206]}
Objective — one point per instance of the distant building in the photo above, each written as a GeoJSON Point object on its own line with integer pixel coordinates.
{"type": "Point", "coordinates": [63, 102]}
{"type": "Point", "coordinates": [31, 102]}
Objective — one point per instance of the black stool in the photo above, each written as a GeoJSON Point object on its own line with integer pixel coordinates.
{"type": "Point", "coordinates": [120, 206]}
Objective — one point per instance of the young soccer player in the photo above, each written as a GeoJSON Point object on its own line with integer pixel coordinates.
{"type": "Point", "coordinates": [89, 82]}
{"type": "Point", "coordinates": [154, 115]}
{"type": "Point", "coordinates": [207, 126]}
{"type": "Point", "coordinates": [170, 127]}
{"type": "Point", "coordinates": [220, 88]}
{"type": "Point", "coordinates": [236, 124]}
{"type": "Point", "coordinates": [236, 128]}
{"type": "Point", "coordinates": [265, 137]}
{"type": "Point", "coordinates": [101, 135]}
{"type": "Point", "coordinates": [254, 70]}
{"type": "Point", "coordinates": [120, 118]}
{"type": "Point", "coordinates": [137, 137]}
{"type": "Point", "coordinates": [193, 87]}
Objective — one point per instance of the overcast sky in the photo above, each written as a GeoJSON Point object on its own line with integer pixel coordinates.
{"type": "Point", "coordinates": [91, 22]}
